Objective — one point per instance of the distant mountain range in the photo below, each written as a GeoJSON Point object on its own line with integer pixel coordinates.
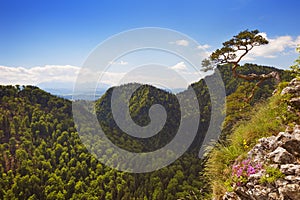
{"type": "Point", "coordinates": [65, 90]}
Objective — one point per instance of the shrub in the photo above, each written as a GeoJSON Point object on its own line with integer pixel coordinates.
{"type": "Point", "coordinates": [272, 174]}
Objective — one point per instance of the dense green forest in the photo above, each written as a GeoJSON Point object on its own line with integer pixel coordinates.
{"type": "Point", "coordinates": [42, 156]}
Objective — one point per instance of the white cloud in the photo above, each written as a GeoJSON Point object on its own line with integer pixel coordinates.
{"type": "Point", "coordinates": [263, 34]}
{"type": "Point", "coordinates": [276, 46]}
{"type": "Point", "coordinates": [204, 51]}
{"type": "Point", "coordinates": [298, 41]}
{"type": "Point", "coordinates": [64, 76]}
{"type": "Point", "coordinates": [121, 62]}
{"type": "Point", "coordinates": [112, 78]}
{"type": "Point", "coordinates": [54, 74]}
{"type": "Point", "coordinates": [204, 54]}
{"type": "Point", "coordinates": [179, 67]}
{"type": "Point", "coordinates": [36, 75]}
{"type": "Point", "coordinates": [181, 43]}
{"type": "Point", "coordinates": [204, 47]}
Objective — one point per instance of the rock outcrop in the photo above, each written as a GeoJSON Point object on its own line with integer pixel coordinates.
{"type": "Point", "coordinates": [281, 152]}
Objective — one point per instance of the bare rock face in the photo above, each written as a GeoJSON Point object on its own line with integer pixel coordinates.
{"type": "Point", "coordinates": [290, 169]}
{"type": "Point", "coordinates": [292, 88]}
{"type": "Point", "coordinates": [281, 156]}
{"type": "Point", "coordinates": [295, 102]}
{"type": "Point", "coordinates": [291, 191]}
{"type": "Point", "coordinates": [281, 152]}
{"type": "Point", "coordinates": [292, 146]}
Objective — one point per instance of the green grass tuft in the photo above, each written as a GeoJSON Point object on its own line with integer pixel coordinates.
{"type": "Point", "coordinates": [272, 174]}
{"type": "Point", "coordinates": [266, 119]}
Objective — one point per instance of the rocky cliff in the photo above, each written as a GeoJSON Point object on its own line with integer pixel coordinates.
{"type": "Point", "coordinates": [273, 164]}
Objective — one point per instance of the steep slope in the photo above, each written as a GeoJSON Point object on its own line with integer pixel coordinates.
{"type": "Point", "coordinates": [146, 96]}
{"type": "Point", "coordinates": [278, 176]}
{"type": "Point", "coordinates": [248, 166]}
{"type": "Point", "coordinates": [142, 99]}
{"type": "Point", "coordinates": [42, 156]}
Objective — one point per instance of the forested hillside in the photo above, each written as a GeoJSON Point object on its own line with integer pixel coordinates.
{"type": "Point", "coordinates": [42, 156]}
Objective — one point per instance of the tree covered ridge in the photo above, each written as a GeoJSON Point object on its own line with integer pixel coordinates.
{"type": "Point", "coordinates": [142, 99]}
{"type": "Point", "coordinates": [42, 156]}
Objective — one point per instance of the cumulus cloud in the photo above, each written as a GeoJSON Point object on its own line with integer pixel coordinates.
{"type": "Point", "coordinates": [204, 47]}
{"type": "Point", "coordinates": [36, 75]}
{"type": "Point", "coordinates": [64, 76]}
{"type": "Point", "coordinates": [204, 51]}
{"type": "Point", "coordinates": [179, 67]}
{"type": "Point", "coordinates": [121, 62]}
{"type": "Point", "coordinates": [278, 45]}
{"type": "Point", "coordinates": [54, 74]}
{"type": "Point", "coordinates": [112, 78]}
{"type": "Point", "coordinates": [181, 43]}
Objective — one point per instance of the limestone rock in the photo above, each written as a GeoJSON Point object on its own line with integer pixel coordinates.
{"type": "Point", "coordinates": [292, 178]}
{"type": "Point", "coordinates": [282, 156]}
{"type": "Point", "coordinates": [231, 196]}
{"type": "Point", "coordinates": [290, 191]}
{"type": "Point", "coordinates": [281, 152]}
{"type": "Point", "coordinates": [295, 102]}
{"type": "Point", "coordinates": [290, 169]}
{"type": "Point", "coordinates": [292, 88]}
{"type": "Point", "coordinates": [293, 147]}
{"type": "Point", "coordinates": [273, 196]}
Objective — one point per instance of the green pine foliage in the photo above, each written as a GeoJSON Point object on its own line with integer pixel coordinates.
{"type": "Point", "coordinates": [42, 156]}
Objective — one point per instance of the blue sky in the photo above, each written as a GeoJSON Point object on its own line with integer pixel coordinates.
{"type": "Point", "coordinates": [63, 32]}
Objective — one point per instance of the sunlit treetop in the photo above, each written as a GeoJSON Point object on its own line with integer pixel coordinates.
{"type": "Point", "coordinates": [235, 49]}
